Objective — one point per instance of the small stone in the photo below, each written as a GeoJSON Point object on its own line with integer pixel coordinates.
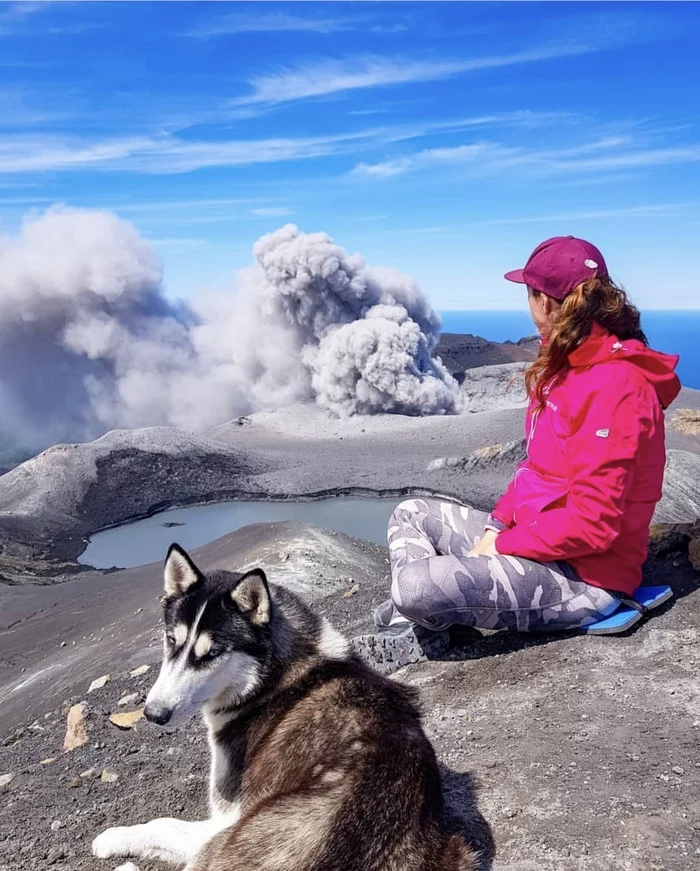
{"type": "Point", "coordinates": [76, 727]}
{"type": "Point", "coordinates": [462, 712]}
{"type": "Point", "coordinates": [127, 866]}
{"type": "Point", "coordinates": [6, 779]}
{"type": "Point", "coordinates": [109, 776]}
{"type": "Point", "coordinates": [678, 770]}
{"type": "Point", "coordinates": [98, 683]}
{"type": "Point", "coordinates": [131, 699]}
{"type": "Point", "coordinates": [142, 669]}
{"type": "Point", "coordinates": [56, 825]}
{"type": "Point", "coordinates": [351, 592]}
{"type": "Point", "coordinates": [48, 761]}
{"type": "Point", "coordinates": [75, 783]}
{"type": "Point", "coordinates": [126, 720]}
{"type": "Point", "coordinates": [64, 644]}
{"type": "Point", "coordinates": [694, 553]}
{"type": "Point", "coordinates": [54, 855]}
{"type": "Point", "coordinates": [87, 775]}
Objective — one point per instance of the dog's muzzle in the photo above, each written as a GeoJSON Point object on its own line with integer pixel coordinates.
{"type": "Point", "coordinates": [156, 714]}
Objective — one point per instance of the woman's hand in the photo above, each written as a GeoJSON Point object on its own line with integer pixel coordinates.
{"type": "Point", "coordinates": [486, 546]}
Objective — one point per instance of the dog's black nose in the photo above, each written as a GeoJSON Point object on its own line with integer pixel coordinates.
{"type": "Point", "coordinates": [157, 715]}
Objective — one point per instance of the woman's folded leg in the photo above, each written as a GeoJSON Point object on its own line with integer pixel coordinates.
{"type": "Point", "coordinates": [497, 592]}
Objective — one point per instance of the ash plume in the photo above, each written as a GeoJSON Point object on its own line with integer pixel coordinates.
{"type": "Point", "coordinates": [89, 341]}
{"type": "Point", "coordinates": [365, 336]}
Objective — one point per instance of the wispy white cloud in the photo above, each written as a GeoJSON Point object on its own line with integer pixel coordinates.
{"type": "Point", "coordinates": [23, 201]}
{"type": "Point", "coordinates": [486, 157]}
{"type": "Point", "coordinates": [15, 20]}
{"type": "Point", "coordinates": [524, 119]}
{"type": "Point", "coordinates": [646, 211]}
{"type": "Point", "coordinates": [656, 210]}
{"type": "Point", "coordinates": [387, 168]}
{"type": "Point", "coordinates": [168, 206]}
{"type": "Point", "coordinates": [171, 154]}
{"type": "Point", "coordinates": [162, 155]}
{"type": "Point", "coordinates": [365, 218]}
{"type": "Point", "coordinates": [12, 15]}
{"type": "Point", "coordinates": [190, 219]}
{"type": "Point", "coordinates": [323, 78]}
{"type": "Point", "coordinates": [271, 212]}
{"type": "Point", "coordinates": [177, 243]}
{"type": "Point", "coordinates": [20, 154]}
{"type": "Point", "coordinates": [272, 22]}
{"type": "Point", "coordinates": [429, 158]}
{"type": "Point", "coordinates": [631, 159]}
{"type": "Point", "coordinates": [19, 109]}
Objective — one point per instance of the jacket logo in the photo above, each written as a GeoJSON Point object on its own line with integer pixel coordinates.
{"type": "Point", "coordinates": [602, 433]}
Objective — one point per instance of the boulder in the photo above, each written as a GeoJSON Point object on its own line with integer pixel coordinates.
{"type": "Point", "coordinates": [76, 727]}
{"type": "Point", "coordinates": [126, 719]}
{"type": "Point", "coordinates": [98, 683]}
{"type": "Point", "coordinates": [687, 421]}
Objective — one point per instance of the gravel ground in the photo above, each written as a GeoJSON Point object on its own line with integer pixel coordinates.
{"type": "Point", "coordinates": [561, 753]}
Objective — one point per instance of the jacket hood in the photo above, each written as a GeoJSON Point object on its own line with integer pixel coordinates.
{"type": "Point", "coordinates": [658, 369]}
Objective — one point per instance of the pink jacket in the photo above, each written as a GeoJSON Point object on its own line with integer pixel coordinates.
{"type": "Point", "coordinates": [595, 462]}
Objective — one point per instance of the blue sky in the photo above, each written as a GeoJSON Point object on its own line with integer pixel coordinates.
{"type": "Point", "coordinates": [443, 139]}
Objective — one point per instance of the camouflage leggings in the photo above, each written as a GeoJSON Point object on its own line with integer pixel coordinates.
{"type": "Point", "coordinates": [434, 582]}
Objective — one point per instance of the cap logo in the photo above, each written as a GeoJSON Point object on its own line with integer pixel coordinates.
{"type": "Point", "coordinates": [591, 264]}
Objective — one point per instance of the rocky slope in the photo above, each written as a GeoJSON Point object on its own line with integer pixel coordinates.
{"type": "Point", "coordinates": [490, 388]}
{"type": "Point", "coordinates": [461, 352]}
{"type": "Point", "coordinates": [51, 503]}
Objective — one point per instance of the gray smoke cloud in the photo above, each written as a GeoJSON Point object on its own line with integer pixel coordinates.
{"type": "Point", "coordinates": [89, 341]}
{"type": "Point", "coordinates": [365, 336]}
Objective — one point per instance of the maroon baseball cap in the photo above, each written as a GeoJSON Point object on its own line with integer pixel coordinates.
{"type": "Point", "coordinates": [559, 265]}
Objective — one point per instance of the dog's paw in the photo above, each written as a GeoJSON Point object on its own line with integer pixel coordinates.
{"type": "Point", "coordinates": [113, 842]}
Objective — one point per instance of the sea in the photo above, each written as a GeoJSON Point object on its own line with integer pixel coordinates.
{"type": "Point", "coordinates": [674, 332]}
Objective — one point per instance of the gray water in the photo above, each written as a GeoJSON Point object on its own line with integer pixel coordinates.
{"type": "Point", "coordinates": [146, 541]}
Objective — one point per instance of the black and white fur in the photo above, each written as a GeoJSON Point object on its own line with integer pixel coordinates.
{"type": "Point", "coordinates": [317, 763]}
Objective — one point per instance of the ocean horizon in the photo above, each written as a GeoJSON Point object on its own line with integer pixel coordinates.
{"type": "Point", "coordinates": [673, 332]}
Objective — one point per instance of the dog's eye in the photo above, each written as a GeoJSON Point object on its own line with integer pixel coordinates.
{"type": "Point", "coordinates": [210, 654]}
{"type": "Point", "coordinates": [170, 638]}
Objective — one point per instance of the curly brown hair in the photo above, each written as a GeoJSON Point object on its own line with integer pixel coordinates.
{"type": "Point", "coordinates": [596, 300]}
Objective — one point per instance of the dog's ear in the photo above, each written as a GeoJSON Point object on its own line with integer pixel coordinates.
{"type": "Point", "coordinates": [251, 595]}
{"type": "Point", "coordinates": [180, 573]}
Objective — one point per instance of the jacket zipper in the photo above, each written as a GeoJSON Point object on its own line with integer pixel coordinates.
{"type": "Point", "coordinates": [535, 416]}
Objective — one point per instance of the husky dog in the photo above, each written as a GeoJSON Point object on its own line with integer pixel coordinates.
{"type": "Point", "coordinates": [317, 762]}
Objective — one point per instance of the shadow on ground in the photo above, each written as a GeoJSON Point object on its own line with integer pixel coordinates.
{"type": "Point", "coordinates": [462, 815]}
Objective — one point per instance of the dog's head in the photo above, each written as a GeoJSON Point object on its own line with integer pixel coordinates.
{"type": "Point", "coordinates": [216, 640]}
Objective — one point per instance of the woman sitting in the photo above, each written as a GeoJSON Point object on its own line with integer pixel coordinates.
{"type": "Point", "coordinates": [569, 537]}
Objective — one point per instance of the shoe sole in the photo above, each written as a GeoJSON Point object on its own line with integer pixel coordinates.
{"type": "Point", "coordinates": [387, 655]}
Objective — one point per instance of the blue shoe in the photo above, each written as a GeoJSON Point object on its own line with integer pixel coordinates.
{"type": "Point", "coordinates": [630, 611]}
